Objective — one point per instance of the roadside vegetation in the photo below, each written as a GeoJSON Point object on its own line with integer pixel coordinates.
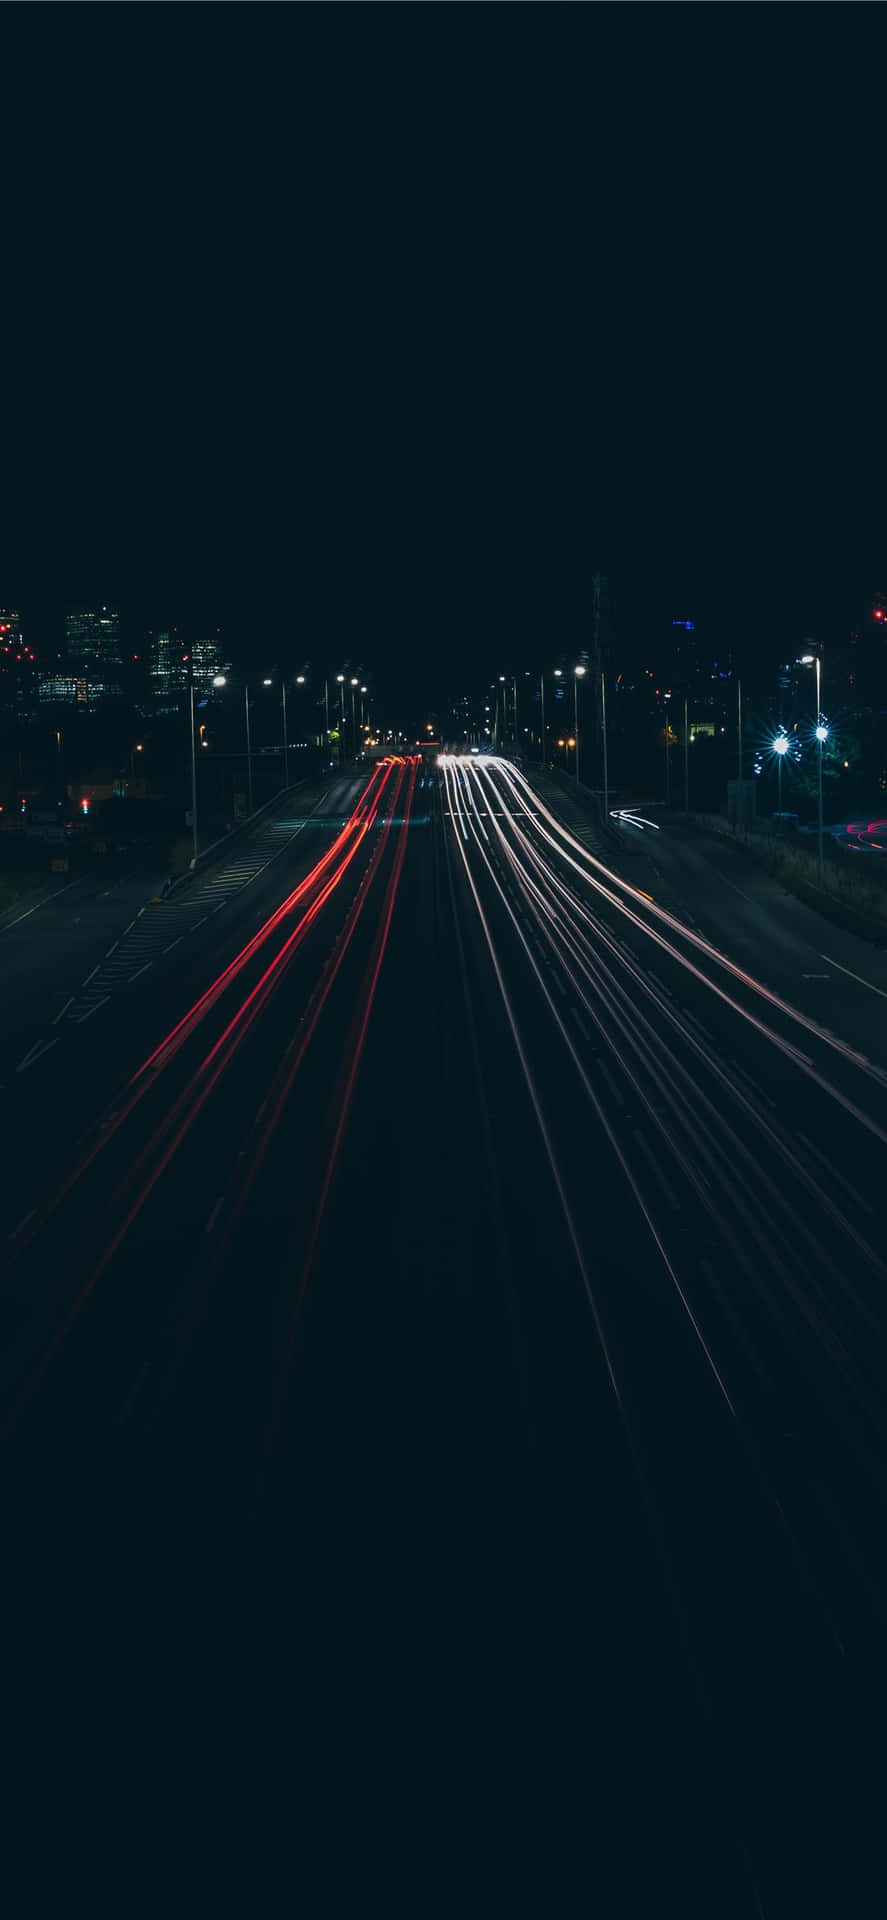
{"type": "Point", "coordinates": [858, 892]}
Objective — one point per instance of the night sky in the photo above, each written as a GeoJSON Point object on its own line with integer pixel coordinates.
{"type": "Point", "coordinates": [377, 329]}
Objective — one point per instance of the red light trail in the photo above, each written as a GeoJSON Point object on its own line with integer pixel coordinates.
{"type": "Point", "coordinates": [165, 1140]}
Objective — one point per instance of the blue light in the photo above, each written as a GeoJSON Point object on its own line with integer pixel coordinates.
{"type": "Point", "coordinates": [690, 625]}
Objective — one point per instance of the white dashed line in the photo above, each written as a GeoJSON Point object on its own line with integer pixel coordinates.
{"type": "Point", "coordinates": [140, 970]}
{"type": "Point", "coordinates": [41, 903]}
{"type": "Point", "coordinates": [856, 976]}
{"type": "Point", "coordinates": [99, 1003]}
{"type": "Point", "coordinates": [36, 1053]}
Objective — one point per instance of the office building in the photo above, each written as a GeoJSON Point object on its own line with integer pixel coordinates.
{"type": "Point", "coordinates": [169, 673]}
{"type": "Point", "coordinates": [93, 639]}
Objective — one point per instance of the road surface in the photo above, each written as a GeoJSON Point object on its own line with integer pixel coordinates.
{"type": "Point", "coordinates": [478, 1280]}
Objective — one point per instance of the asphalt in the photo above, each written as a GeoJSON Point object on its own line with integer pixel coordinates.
{"type": "Point", "coordinates": [473, 1335]}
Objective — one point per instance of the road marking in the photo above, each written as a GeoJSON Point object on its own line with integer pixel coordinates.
{"type": "Point", "coordinates": [198, 923]}
{"type": "Point", "coordinates": [732, 883]}
{"type": "Point", "coordinates": [99, 1003]}
{"type": "Point", "coordinates": [816, 976]}
{"type": "Point", "coordinates": [854, 976]}
{"type": "Point", "coordinates": [144, 969]}
{"type": "Point", "coordinates": [61, 1014]}
{"type": "Point", "coordinates": [215, 1214]}
{"type": "Point", "coordinates": [37, 1050]}
{"type": "Point", "coordinates": [22, 1224]}
{"type": "Point", "coordinates": [41, 903]}
{"type": "Point", "coordinates": [92, 975]}
{"type": "Point", "coordinates": [112, 950]}
{"type": "Point", "coordinates": [173, 943]}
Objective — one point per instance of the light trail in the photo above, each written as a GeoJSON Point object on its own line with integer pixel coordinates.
{"type": "Point", "coordinates": [195, 1014]}
{"type": "Point", "coordinates": [558, 933]}
{"type": "Point", "coordinates": [282, 1085]}
{"type": "Point", "coordinates": [784, 1046]}
{"type": "Point", "coordinates": [791, 1250]}
{"type": "Point", "coordinates": [161, 1056]}
{"type": "Point", "coordinates": [248, 1166]}
{"type": "Point", "coordinates": [710, 1134]}
{"type": "Point", "coordinates": [589, 867]}
{"type": "Point", "coordinates": [168, 1136]}
{"type": "Point", "coordinates": [599, 1112]}
{"type": "Point", "coordinates": [342, 1101]}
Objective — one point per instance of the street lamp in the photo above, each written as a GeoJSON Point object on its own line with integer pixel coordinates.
{"type": "Point", "coordinates": [780, 748]}
{"type": "Point", "coordinates": [286, 748]}
{"type": "Point", "coordinates": [249, 751]}
{"type": "Point", "coordinates": [820, 730]}
{"type": "Point", "coordinates": [666, 697]}
{"type": "Point", "coordinates": [558, 675]}
{"type": "Point", "coordinates": [268, 681]}
{"type": "Point", "coordinates": [219, 680]}
{"type": "Point", "coordinates": [604, 747]}
{"type": "Point", "coordinates": [578, 673]}
{"type": "Point", "coordinates": [340, 681]}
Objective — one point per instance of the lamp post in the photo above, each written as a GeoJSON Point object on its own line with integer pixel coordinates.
{"type": "Point", "coordinates": [686, 759]}
{"type": "Point", "coordinates": [821, 730]}
{"type": "Point", "coordinates": [604, 746]}
{"type": "Point", "coordinates": [516, 735]}
{"type": "Point", "coordinates": [354, 683]}
{"type": "Point", "coordinates": [542, 730]}
{"type": "Point", "coordinates": [666, 697]}
{"type": "Point", "coordinates": [286, 754]}
{"type": "Point", "coordinates": [300, 682]}
{"type": "Point", "coordinates": [340, 682]}
{"type": "Point", "coordinates": [219, 680]}
{"type": "Point", "coordinates": [578, 673]}
{"type": "Point", "coordinates": [249, 751]}
{"type": "Point", "coordinates": [780, 748]}
{"type": "Point", "coordinates": [739, 752]}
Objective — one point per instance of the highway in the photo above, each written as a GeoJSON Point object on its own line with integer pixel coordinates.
{"type": "Point", "coordinates": [487, 1271]}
